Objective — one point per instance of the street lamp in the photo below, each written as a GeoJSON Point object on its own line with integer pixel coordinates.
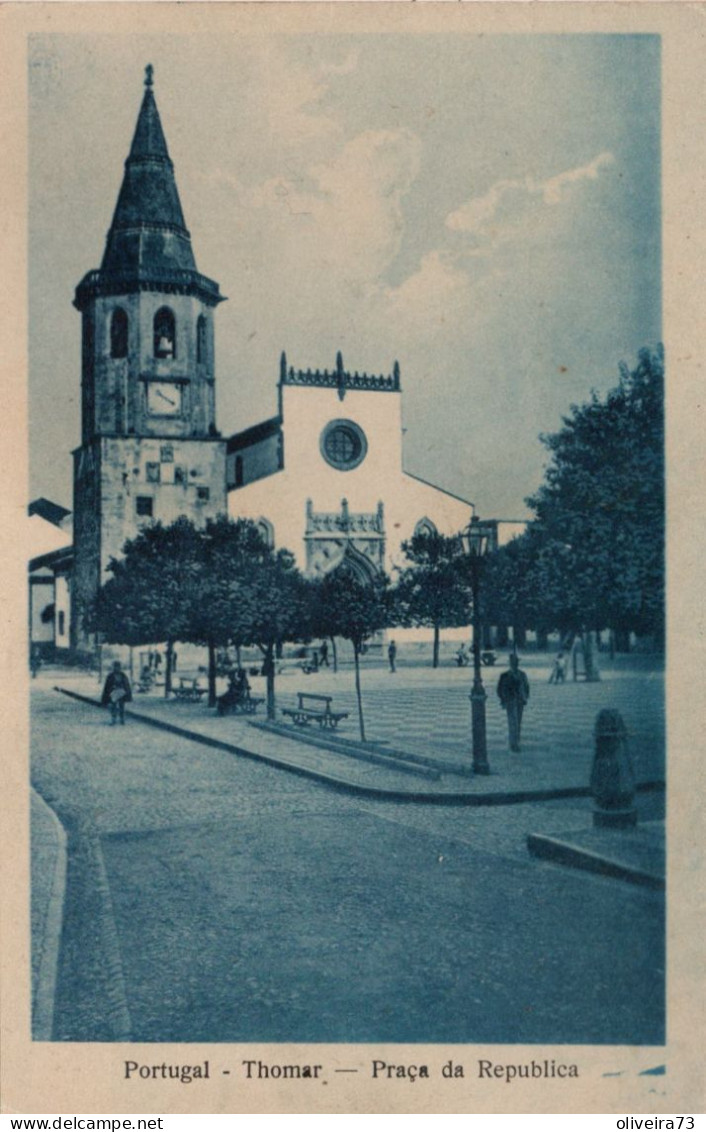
{"type": "Point", "coordinates": [475, 543]}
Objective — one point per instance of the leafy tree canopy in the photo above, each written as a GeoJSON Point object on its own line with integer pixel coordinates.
{"type": "Point", "coordinates": [343, 606]}
{"type": "Point", "coordinates": [154, 588]}
{"type": "Point", "coordinates": [434, 589]}
{"type": "Point", "coordinates": [593, 558]}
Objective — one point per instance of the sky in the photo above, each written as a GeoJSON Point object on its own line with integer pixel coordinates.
{"type": "Point", "coordinates": [484, 209]}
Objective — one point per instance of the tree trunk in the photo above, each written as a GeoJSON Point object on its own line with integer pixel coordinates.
{"type": "Point", "coordinates": [589, 656]}
{"type": "Point", "coordinates": [435, 657]}
{"type": "Point", "coordinates": [237, 656]}
{"type": "Point", "coordinates": [542, 639]}
{"type": "Point", "coordinates": [519, 637]}
{"type": "Point", "coordinates": [270, 679]}
{"type": "Point", "coordinates": [211, 673]}
{"type": "Point", "coordinates": [334, 654]}
{"type": "Point", "coordinates": [502, 636]}
{"type": "Point", "coordinates": [622, 640]}
{"type": "Point", "coordinates": [358, 692]}
{"type": "Point", "coordinates": [168, 669]}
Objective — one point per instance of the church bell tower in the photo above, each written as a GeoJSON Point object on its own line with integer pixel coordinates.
{"type": "Point", "coordinates": [149, 449]}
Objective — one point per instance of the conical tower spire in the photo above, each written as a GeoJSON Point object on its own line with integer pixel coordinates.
{"type": "Point", "coordinates": [148, 245]}
{"type": "Point", "coordinates": [149, 140]}
{"type": "Point", "coordinates": [148, 233]}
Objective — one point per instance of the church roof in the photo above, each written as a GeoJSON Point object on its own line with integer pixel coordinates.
{"type": "Point", "coordinates": [148, 243]}
{"type": "Point", "coordinates": [52, 512]}
{"type": "Point", "coordinates": [254, 434]}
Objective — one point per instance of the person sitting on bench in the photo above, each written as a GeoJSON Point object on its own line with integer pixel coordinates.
{"type": "Point", "coordinates": [238, 691]}
{"type": "Point", "coordinates": [238, 685]}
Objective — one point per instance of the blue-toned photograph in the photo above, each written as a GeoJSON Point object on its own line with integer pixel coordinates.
{"type": "Point", "coordinates": [346, 588]}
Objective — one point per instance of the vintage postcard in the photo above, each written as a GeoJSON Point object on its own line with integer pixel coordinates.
{"type": "Point", "coordinates": [351, 733]}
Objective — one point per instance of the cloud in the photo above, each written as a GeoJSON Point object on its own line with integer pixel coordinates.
{"type": "Point", "coordinates": [437, 296]}
{"type": "Point", "coordinates": [508, 197]}
{"type": "Point", "coordinates": [289, 95]}
{"type": "Point", "coordinates": [553, 189]}
{"type": "Point", "coordinates": [344, 216]}
{"type": "Point", "coordinates": [346, 67]}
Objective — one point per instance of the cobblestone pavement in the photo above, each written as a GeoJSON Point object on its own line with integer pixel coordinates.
{"type": "Point", "coordinates": [427, 712]}
{"type": "Point", "coordinates": [212, 898]}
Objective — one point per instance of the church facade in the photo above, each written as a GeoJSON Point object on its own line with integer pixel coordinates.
{"type": "Point", "coordinates": [324, 477]}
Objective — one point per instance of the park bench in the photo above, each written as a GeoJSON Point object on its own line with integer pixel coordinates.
{"type": "Point", "coordinates": [189, 690]}
{"type": "Point", "coordinates": [303, 713]}
{"type": "Point", "coordinates": [244, 705]}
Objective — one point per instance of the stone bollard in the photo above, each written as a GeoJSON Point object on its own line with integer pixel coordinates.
{"type": "Point", "coordinates": [612, 776]}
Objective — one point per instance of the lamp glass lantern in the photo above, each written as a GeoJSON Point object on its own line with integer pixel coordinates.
{"type": "Point", "coordinates": [476, 538]}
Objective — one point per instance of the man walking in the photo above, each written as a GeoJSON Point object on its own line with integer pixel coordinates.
{"type": "Point", "coordinates": [116, 693]}
{"type": "Point", "coordinates": [513, 691]}
{"type": "Point", "coordinates": [558, 674]}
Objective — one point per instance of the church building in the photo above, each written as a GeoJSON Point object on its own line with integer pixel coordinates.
{"type": "Point", "coordinates": [324, 477]}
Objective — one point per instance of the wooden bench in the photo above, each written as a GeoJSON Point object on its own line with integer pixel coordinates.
{"type": "Point", "coordinates": [189, 690]}
{"type": "Point", "coordinates": [303, 713]}
{"type": "Point", "coordinates": [246, 705]}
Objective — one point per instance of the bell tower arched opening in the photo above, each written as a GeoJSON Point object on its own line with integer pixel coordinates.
{"type": "Point", "coordinates": [164, 333]}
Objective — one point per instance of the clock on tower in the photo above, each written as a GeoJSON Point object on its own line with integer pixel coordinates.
{"type": "Point", "coordinates": [164, 398]}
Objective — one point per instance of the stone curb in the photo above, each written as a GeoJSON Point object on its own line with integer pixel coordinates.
{"type": "Point", "coordinates": [44, 990]}
{"type": "Point", "coordinates": [385, 756]}
{"type": "Point", "coordinates": [117, 1009]}
{"type": "Point", "coordinates": [564, 853]}
{"type": "Point", "coordinates": [336, 782]}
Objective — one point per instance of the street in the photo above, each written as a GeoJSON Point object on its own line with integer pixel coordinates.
{"type": "Point", "coordinates": [211, 898]}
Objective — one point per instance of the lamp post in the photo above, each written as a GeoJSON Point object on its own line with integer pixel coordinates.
{"type": "Point", "coordinates": [475, 541]}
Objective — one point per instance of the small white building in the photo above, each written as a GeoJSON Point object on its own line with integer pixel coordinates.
{"type": "Point", "coordinates": [50, 543]}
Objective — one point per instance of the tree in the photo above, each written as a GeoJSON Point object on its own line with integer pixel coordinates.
{"type": "Point", "coordinates": [277, 611]}
{"type": "Point", "coordinates": [251, 595]}
{"type": "Point", "coordinates": [342, 605]}
{"type": "Point", "coordinates": [434, 589]}
{"type": "Point", "coordinates": [603, 501]}
{"type": "Point", "coordinates": [509, 593]}
{"type": "Point", "coordinates": [233, 554]}
{"type": "Point", "coordinates": [219, 585]}
{"type": "Point", "coordinates": [154, 590]}
{"type": "Point", "coordinates": [594, 556]}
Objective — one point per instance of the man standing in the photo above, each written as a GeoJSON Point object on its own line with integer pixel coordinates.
{"type": "Point", "coordinates": [116, 693]}
{"type": "Point", "coordinates": [513, 691]}
{"type": "Point", "coordinates": [391, 655]}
